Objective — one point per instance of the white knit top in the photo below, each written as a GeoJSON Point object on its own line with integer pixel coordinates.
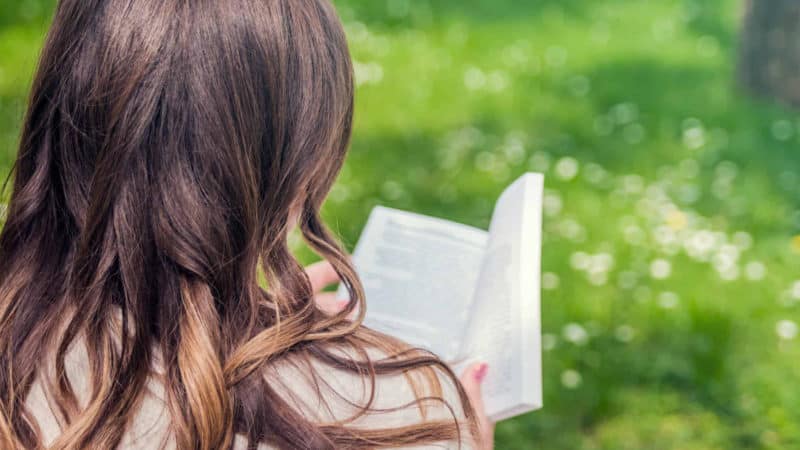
{"type": "Point", "coordinates": [150, 425]}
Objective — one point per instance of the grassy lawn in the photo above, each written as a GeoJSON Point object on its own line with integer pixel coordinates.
{"type": "Point", "coordinates": [672, 211]}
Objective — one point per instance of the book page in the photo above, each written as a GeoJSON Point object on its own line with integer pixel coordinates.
{"type": "Point", "coordinates": [504, 329]}
{"type": "Point", "coordinates": [419, 275]}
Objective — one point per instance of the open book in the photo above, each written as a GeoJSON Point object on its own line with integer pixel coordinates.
{"type": "Point", "coordinates": [464, 293]}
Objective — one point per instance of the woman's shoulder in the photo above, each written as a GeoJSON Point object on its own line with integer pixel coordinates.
{"type": "Point", "coordinates": [328, 394]}
{"type": "Point", "coordinates": [323, 393]}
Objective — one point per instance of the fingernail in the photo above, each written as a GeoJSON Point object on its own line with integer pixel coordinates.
{"type": "Point", "coordinates": [480, 373]}
{"type": "Point", "coordinates": [342, 304]}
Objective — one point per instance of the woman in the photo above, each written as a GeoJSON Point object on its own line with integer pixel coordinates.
{"type": "Point", "coordinates": [168, 149]}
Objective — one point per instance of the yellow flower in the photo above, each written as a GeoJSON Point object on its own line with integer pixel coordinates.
{"type": "Point", "coordinates": [796, 244]}
{"type": "Point", "coordinates": [677, 220]}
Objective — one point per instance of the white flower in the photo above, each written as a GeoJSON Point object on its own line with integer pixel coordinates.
{"type": "Point", "coordinates": [576, 334]}
{"type": "Point", "coordinates": [367, 73]}
{"type": "Point", "coordinates": [514, 149]}
{"type": "Point", "coordinates": [632, 184]}
{"type": "Point", "coordinates": [729, 273]}
{"type": "Point", "coordinates": [755, 271]}
{"type": "Point", "coordinates": [598, 278]}
{"type": "Point", "coordinates": [694, 138]}
{"type": "Point", "coordinates": [727, 171]}
{"type": "Point", "coordinates": [572, 230]}
{"type": "Point", "coordinates": [550, 281]}
{"type": "Point", "coordinates": [566, 168]}
{"type": "Point", "coordinates": [668, 300]}
{"type": "Point", "coordinates": [552, 204]}
{"type": "Point", "coordinates": [634, 133]}
{"type": "Point", "coordinates": [498, 81]}
{"type": "Point", "coordinates": [633, 235]}
{"type": "Point", "coordinates": [665, 236]}
{"type": "Point", "coordinates": [474, 79]}
{"type": "Point", "coordinates": [786, 329]}
{"type": "Point", "coordinates": [660, 269]}
{"type": "Point", "coordinates": [730, 251]}
{"type": "Point", "coordinates": [796, 290]}
{"type": "Point", "coordinates": [486, 161]}
{"type": "Point", "coordinates": [549, 342]}
{"type": "Point", "coordinates": [625, 113]}
{"type": "Point", "coordinates": [700, 245]}
{"type": "Point", "coordinates": [602, 261]}
{"type": "Point", "coordinates": [571, 379]}
{"type": "Point", "coordinates": [595, 173]}
{"type": "Point", "coordinates": [579, 261]}
{"type": "Point", "coordinates": [743, 240]}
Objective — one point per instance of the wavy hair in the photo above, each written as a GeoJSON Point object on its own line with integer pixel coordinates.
{"type": "Point", "coordinates": [168, 148]}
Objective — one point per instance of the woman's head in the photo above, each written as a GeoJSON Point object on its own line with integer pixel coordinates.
{"type": "Point", "coordinates": [241, 108]}
{"type": "Point", "coordinates": [168, 147]}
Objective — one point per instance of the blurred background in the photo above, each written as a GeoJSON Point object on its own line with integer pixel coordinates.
{"type": "Point", "coordinates": [667, 133]}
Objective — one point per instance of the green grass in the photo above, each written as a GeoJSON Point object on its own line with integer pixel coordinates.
{"type": "Point", "coordinates": [457, 98]}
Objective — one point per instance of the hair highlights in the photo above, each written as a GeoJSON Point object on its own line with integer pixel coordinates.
{"type": "Point", "coordinates": [166, 147]}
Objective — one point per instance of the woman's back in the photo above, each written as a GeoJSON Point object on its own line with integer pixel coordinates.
{"type": "Point", "coordinates": [335, 399]}
{"type": "Point", "coordinates": [168, 150]}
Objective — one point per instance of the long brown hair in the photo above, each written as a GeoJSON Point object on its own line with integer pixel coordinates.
{"type": "Point", "coordinates": [168, 147]}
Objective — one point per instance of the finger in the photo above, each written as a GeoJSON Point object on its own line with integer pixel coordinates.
{"type": "Point", "coordinates": [321, 274]}
{"type": "Point", "coordinates": [471, 379]}
{"type": "Point", "coordinates": [329, 303]}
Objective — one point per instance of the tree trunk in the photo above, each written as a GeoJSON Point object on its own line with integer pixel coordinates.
{"type": "Point", "coordinates": [769, 64]}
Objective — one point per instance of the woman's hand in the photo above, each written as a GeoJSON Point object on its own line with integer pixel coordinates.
{"type": "Point", "coordinates": [471, 379]}
{"type": "Point", "coordinates": [322, 275]}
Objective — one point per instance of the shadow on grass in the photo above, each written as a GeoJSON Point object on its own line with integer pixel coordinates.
{"type": "Point", "coordinates": [12, 111]}
{"type": "Point", "coordinates": [708, 21]}
{"type": "Point", "coordinates": [26, 12]}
